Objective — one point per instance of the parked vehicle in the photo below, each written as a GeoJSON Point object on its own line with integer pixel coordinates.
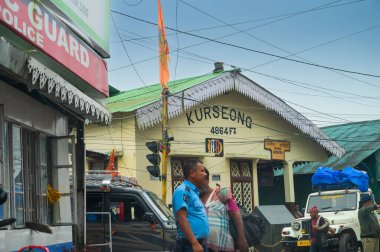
{"type": "Point", "coordinates": [339, 204]}
{"type": "Point", "coordinates": [121, 216]}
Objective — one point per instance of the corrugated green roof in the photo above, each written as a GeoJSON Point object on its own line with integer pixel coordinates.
{"type": "Point", "coordinates": [360, 140]}
{"type": "Point", "coordinates": [131, 100]}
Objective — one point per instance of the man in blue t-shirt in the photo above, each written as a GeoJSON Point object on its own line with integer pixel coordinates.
{"type": "Point", "coordinates": [189, 211]}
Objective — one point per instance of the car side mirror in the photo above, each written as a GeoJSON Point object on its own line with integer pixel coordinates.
{"type": "Point", "coordinates": [149, 217]}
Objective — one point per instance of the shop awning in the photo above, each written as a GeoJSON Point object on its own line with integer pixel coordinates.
{"type": "Point", "coordinates": [50, 84]}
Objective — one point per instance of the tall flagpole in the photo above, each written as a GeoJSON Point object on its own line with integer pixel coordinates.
{"type": "Point", "coordinates": [164, 77]}
{"type": "Point", "coordinates": [165, 141]}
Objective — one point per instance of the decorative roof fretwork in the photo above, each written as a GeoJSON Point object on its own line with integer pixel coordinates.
{"type": "Point", "coordinates": [150, 115]}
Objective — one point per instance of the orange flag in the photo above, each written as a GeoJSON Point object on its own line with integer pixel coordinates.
{"type": "Point", "coordinates": [111, 163]}
{"type": "Point", "coordinates": [163, 49]}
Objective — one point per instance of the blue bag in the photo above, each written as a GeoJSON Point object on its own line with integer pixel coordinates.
{"type": "Point", "coordinates": [359, 178]}
{"type": "Point", "coordinates": [324, 175]}
{"type": "Point", "coordinates": [340, 177]}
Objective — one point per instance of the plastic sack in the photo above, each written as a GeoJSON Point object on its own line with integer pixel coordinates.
{"type": "Point", "coordinates": [328, 176]}
{"type": "Point", "coordinates": [324, 175]}
{"type": "Point", "coordinates": [359, 178]}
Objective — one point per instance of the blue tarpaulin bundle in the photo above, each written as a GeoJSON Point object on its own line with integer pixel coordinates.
{"type": "Point", "coordinates": [328, 176]}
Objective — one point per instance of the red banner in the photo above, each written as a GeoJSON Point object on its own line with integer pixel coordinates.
{"type": "Point", "coordinates": [37, 25]}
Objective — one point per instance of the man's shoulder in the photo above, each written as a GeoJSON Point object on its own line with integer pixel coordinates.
{"type": "Point", "coordinates": [183, 188]}
{"type": "Point", "coordinates": [367, 209]}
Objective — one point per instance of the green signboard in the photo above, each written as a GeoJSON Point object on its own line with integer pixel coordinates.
{"type": "Point", "coordinates": [91, 17]}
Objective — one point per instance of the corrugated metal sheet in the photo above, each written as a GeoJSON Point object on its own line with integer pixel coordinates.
{"type": "Point", "coordinates": [131, 100]}
{"type": "Point", "coordinates": [360, 140]}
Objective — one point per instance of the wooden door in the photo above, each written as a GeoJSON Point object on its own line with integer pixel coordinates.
{"type": "Point", "coordinates": [241, 182]}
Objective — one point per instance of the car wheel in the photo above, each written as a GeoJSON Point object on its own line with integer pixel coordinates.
{"type": "Point", "coordinates": [347, 243]}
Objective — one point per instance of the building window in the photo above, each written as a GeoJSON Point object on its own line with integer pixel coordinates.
{"type": "Point", "coordinates": [102, 165]}
{"type": "Point", "coordinates": [64, 179]}
{"type": "Point", "coordinates": [26, 156]}
{"type": "Point", "coordinates": [17, 176]}
{"type": "Point", "coordinates": [97, 165]}
{"type": "Point", "coordinates": [43, 179]}
{"type": "Point", "coordinates": [126, 209]}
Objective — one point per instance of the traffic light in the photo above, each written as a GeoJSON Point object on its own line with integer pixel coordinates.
{"type": "Point", "coordinates": [154, 158]}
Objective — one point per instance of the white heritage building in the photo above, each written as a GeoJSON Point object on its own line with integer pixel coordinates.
{"type": "Point", "coordinates": [238, 129]}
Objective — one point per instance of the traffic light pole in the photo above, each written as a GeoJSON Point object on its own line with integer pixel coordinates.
{"type": "Point", "coordinates": [165, 140]}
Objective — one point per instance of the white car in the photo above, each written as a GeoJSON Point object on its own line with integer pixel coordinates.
{"type": "Point", "coordinates": [340, 207]}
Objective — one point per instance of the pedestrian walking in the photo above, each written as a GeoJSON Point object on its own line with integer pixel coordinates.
{"type": "Point", "coordinates": [221, 206]}
{"type": "Point", "coordinates": [189, 211]}
{"type": "Point", "coordinates": [369, 225]}
{"type": "Point", "coordinates": [319, 227]}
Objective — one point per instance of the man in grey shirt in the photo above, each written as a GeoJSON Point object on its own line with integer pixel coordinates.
{"type": "Point", "coordinates": [369, 225]}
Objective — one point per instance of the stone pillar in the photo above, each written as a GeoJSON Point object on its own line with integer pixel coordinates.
{"type": "Point", "coordinates": [255, 182]}
{"type": "Point", "coordinates": [289, 186]}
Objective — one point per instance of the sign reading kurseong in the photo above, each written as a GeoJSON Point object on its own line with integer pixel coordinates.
{"type": "Point", "coordinates": [34, 23]}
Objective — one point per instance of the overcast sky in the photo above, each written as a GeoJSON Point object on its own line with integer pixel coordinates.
{"type": "Point", "coordinates": [342, 34]}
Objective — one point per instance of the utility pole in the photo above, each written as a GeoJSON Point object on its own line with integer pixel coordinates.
{"type": "Point", "coordinates": [163, 53]}
{"type": "Point", "coordinates": [165, 140]}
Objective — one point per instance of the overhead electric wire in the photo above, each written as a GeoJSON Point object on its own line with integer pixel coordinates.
{"type": "Point", "coordinates": [155, 49]}
{"type": "Point", "coordinates": [326, 96]}
{"type": "Point", "coordinates": [304, 113]}
{"type": "Point", "coordinates": [249, 49]}
{"type": "Point", "coordinates": [113, 143]}
{"type": "Point", "coordinates": [250, 69]}
{"type": "Point", "coordinates": [292, 14]}
{"type": "Point", "coordinates": [289, 53]}
{"type": "Point", "coordinates": [155, 57]}
{"type": "Point", "coordinates": [282, 79]}
{"type": "Point", "coordinates": [316, 46]}
{"type": "Point", "coordinates": [320, 91]}
{"type": "Point", "coordinates": [291, 82]}
{"type": "Point", "coordinates": [294, 83]}
{"type": "Point", "coordinates": [248, 34]}
{"type": "Point", "coordinates": [323, 44]}
{"type": "Point", "coordinates": [125, 50]}
{"type": "Point", "coordinates": [176, 62]}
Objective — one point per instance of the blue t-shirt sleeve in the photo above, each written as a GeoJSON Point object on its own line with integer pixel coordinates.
{"type": "Point", "coordinates": [181, 199]}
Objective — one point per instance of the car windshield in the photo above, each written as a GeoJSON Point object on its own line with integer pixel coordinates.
{"type": "Point", "coordinates": [161, 206]}
{"type": "Point", "coordinates": [333, 202]}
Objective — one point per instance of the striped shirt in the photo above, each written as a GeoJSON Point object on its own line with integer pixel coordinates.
{"type": "Point", "coordinates": [218, 218]}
